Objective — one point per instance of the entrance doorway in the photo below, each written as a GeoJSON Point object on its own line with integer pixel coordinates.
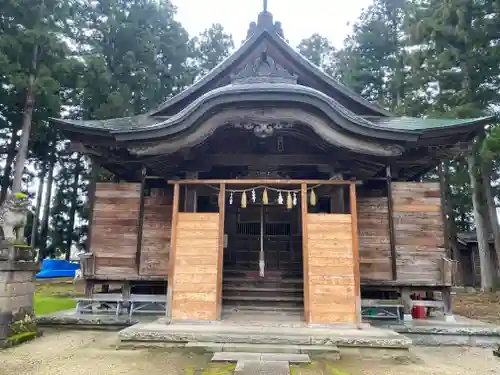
{"type": "Point", "coordinates": [263, 266]}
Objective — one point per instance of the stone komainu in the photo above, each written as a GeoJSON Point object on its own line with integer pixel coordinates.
{"type": "Point", "coordinates": [13, 217]}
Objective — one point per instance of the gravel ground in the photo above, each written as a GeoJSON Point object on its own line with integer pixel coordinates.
{"type": "Point", "coordinates": [424, 361]}
{"type": "Point", "coordinates": [94, 353]}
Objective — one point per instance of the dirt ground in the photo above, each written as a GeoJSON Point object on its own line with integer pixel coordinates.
{"type": "Point", "coordinates": [482, 306]}
{"type": "Point", "coordinates": [95, 353]}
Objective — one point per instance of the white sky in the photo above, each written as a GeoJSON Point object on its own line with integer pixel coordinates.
{"type": "Point", "coordinates": [299, 18]}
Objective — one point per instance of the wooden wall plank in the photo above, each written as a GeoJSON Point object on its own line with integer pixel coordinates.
{"type": "Point", "coordinates": [374, 238]}
{"type": "Point", "coordinates": [114, 228]}
{"type": "Point", "coordinates": [196, 263]}
{"type": "Point", "coordinates": [156, 233]}
{"type": "Point", "coordinates": [419, 232]}
{"type": "Point", "coordinates": [330, 268]}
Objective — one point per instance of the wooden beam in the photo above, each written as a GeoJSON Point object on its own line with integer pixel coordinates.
{"type": "Point", "coordinates": [305, 253]}
{"type": "Point", "coordinates": [264, 160]}
{"type": "Point", "coordinates": [140, 222]}
{"type": "Point", "coordinates": [173, 246]}
{"type": "Point", "coordinates": [263, 182]}
{"type": "Point", "coordinates": [390, 213]}
{"type": "Point", "coordinates": [355, 253]}
{"type": "Point", "coordinates": [220, 254]}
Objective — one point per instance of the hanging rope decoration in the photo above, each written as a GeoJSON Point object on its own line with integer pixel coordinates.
{"type": "Point", "coordinates": [265, 198]}
{"type": "Point", "coordinates": [291, 195]}
{"type": "Point", "coordinates": [244, 200]}
{"type": "Point", "coordinates": [312, 198]}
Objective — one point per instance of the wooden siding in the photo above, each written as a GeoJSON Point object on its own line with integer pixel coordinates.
{"type": "Point", "coordinates": [419, 233]}
{"type": "Point", "coordinates": [156, 233]}
{"type": "Point", "coordinates": [194, 290]}
{"type": "Point", "coordinates": [374, 239]}
{"type": "Point", "coordinates": [114, 228]}
{"type": "Point", "coordinates": [332, 296]}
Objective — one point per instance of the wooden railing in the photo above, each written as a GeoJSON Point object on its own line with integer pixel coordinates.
{"type": "Point", "coordinates": [449, 269]}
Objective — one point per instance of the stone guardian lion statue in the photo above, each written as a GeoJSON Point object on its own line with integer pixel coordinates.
{"type": "Point", "coordinates": [13, 213]}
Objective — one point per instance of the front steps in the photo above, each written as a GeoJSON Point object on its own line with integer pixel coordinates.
{"type": "Point", "coordinates": [245, 290]}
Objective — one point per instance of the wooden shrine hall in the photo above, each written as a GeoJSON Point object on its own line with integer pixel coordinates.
{"type": "Point", "coordinates": [268, 185]}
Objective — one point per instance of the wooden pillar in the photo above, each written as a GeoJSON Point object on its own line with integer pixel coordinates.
{"type": "Point", "coordinates": [220, 254]}
{"type": "Point", "coordinates": [407, 304]}
{"type": "Point", "coordinates": [140, 221]}
{"type": "Point", "coordinates": [305, 253]}
{"type": "Point", "coordinates": [355, 252]}
{"type": "Point", "coordinates": [190, 194]}
{"type": "Point", "coordinates": [448, 313]}
{"type": "Point", "coordinates": [171, 261]}
{"type": "Point", "coordinates": [390, 213]}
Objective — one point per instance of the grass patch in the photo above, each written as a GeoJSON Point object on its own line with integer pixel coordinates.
{"type": "Point", "coordinates": [48, 305]}
{"type": "Point", "coordinates": [59, 288]}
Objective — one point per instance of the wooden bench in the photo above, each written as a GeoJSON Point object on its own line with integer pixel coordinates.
{"type": "Point", "coordinates": [147, 303]}
{"type": "Point", "coordinates": [108, 301]}
{"type": "Point", "coordinates": [383, 307]}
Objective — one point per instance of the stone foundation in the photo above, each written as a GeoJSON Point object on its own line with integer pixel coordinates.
{"type": "Point", "coordinates": [17, 289]}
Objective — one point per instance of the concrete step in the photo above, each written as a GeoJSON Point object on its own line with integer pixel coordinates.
{"type": "Point", "coordinates": [264, 348]}
{"type": "Point", "coordinates": [265, 333]}
{"type": "Point", "coordinates": [263, 357]}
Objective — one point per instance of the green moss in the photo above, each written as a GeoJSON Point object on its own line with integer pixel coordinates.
{"type": "Point", "coordinates": [48, 305]}
{"type": "Point", "coordinates": [18, 339]}
{"type": "Point", "coordinates": [212, 369]}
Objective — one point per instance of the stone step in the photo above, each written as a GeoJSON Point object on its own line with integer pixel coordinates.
{"type": "Point", "coordinates": [266, 333]}
{"type": "Point", "coordinates": [263, 357]}
{"type": "Point", "coordinates": [263, 348]}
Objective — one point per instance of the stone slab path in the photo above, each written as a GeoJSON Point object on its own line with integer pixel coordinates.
{"type": "Point", "coordinates": [260, 357]}
{"type": "Point", "coordinates": [262, 368]}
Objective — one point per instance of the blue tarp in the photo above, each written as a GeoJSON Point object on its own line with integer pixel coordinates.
{"type": "Point", "coordinates": [57, 268]}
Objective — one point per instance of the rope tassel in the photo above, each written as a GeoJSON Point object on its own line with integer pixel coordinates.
{"type": "Point", "coordinates": [265, 198]}
{"type": "Point", "coordinates": [289, 202]}
{"type": "Point", "coordinates": [312, 198]}
{"type": "Point", "coordinates": [244, 200]}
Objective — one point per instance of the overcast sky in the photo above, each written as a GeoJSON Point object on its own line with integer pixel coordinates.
{"type": "Point", "coordinates": [299, 18]}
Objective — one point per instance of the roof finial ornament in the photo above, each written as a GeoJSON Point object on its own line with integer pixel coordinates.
{"type": "Point", "coordinates": [265, 5]}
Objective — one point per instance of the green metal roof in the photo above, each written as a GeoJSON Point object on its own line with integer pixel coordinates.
{"type": "Point", "coordinates": [423, 124]}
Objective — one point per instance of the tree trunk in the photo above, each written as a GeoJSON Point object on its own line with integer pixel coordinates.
{"type": "Point", "coordinates": [74, 202]}
{"type": "Point", "coordinates": [22, 152]}
{"type": "Point", "coordinates": [36, 216]}
{"type": "Point", "coordinates": [487, 170]}
{"type": "Point", "coordinates": [11, 154]}
{"type": "Point", "coordinates": [480, 219]}
{"type": "Point", "coordinates": [44, 225]}
{"type": "Point", "coordinates": [29, 106]}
